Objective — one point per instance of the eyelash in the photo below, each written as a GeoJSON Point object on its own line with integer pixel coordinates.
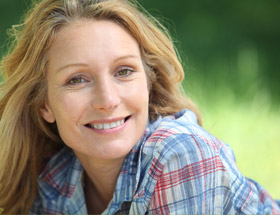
{"type": "Point", "coordinates": [128, 71]}
{"type": "Point", "coordinates": [73, 80]}
{"type": "Point", "coordinates": [81, 79]}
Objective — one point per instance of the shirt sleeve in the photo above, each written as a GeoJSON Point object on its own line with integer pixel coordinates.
{"type": "Point", "coordinates": [198, 175]}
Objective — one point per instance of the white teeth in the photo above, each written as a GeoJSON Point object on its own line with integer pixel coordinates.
{"type": "Point", "coordinates": [113, 125]}
{"type": "Point", "coordinates": [105, 126]}
{"type": "Point", "coordinates": [118, 123]}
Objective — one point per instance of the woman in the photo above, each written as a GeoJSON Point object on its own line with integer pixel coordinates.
{"type": "Point", "coordinates": [93, 120]}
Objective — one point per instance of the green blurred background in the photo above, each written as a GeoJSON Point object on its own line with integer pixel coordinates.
{"type": "Point", "coordinates": [231, 55]}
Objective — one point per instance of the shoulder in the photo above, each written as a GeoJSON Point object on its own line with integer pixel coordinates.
{"type": "Point", "coordinates": [178, 147]}
{"type": "Point", "coordinates": [189, 171]}
{"type": "Point", "coordinates": [180, 136]}
{"type": "Point", "coordinates": [185, 164]}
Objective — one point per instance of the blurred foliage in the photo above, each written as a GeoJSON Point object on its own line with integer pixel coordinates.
{"type": "Point", "coordinates": [234, 41]}
{"type": "Point", "coordinates": [10, 13]}
{"type": "Point", "coordinates": [231, 54]}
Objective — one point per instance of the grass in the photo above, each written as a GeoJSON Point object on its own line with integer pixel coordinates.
{"type": "Point", "coordinates": [251, 127]}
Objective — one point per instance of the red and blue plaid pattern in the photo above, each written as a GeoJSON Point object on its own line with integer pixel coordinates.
{"type": "Point", "coordinates": [176, 168]}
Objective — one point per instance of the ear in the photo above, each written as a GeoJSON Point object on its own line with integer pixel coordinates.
{"type": "Point", "coordinates": [47, 113]}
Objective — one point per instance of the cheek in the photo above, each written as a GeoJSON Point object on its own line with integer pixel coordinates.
{"type": "Point", "coordinates": [67, 108]}
{"type": "Point", "coordinates": [139, 104]}
{"type": "Point", "coordinates": [138, 95]}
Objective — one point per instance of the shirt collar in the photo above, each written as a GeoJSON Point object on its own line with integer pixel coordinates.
{"type": "Point", "coordinates": [63, 174]}
{"type": "Point", "coordinates": [128, 179]}
{"type": "Point", "coordinates": [63, 170]}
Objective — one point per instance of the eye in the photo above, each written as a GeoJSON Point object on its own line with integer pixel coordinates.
{"type": "Point", "coordinates": [76, 80]}
{"type": "Point", "coordinates": [124, 72]}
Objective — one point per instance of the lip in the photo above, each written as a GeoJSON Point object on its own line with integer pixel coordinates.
{"type": "Point", "coordinates": [108, 120]}
{"type": "Point", "coordinates": [111, 130]}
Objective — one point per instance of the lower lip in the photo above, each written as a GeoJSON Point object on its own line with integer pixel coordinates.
{"type": "Point", "coordinates": [112, 130]}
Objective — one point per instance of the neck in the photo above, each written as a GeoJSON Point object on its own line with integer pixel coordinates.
{"type": "Point", "coordinates": [100, 182]}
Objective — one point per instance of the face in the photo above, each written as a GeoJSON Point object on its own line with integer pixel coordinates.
{"type": "Point", "coordinates": [97, 89]}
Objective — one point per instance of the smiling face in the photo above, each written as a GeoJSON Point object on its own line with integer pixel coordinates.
{"type": "Point", "coordinates": [97, 89]}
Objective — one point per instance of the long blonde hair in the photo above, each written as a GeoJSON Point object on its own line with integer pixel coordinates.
{"type": "Point", "coordinates": [25, 137]}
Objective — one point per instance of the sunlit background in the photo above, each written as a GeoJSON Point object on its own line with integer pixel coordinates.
{"type": "Point", "coordinates": [231, 55]}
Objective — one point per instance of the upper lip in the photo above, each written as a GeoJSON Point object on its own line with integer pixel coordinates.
{"type": "Point", "coordinates": [106, 120]}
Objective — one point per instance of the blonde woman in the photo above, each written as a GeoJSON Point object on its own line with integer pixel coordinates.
{"type": "Point", "coordinates": [93, 120]}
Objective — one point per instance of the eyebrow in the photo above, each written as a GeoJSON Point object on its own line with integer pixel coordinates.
{"type": "Point", "coordinates": [84, 64]}
{"type": "Point", "coordinates": [125, 57]}
{"type": "Point", "coordinates": [70, 65]}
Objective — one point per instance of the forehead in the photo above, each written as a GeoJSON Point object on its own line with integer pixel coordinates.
{"type": "Point", "coordinates": [99, 32]}
{"type": "Point", "coordinates": [84, 39]}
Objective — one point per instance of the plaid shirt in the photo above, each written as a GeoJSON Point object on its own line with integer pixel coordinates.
{"type": "Point", "coordinates": [176, 168]}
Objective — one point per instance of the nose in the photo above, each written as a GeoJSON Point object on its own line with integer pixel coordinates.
{"type": "Point", "coordinates": [106, 95]}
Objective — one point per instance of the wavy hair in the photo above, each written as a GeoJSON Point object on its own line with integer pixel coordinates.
{"type": "Point", "coordinates": [26, 139]}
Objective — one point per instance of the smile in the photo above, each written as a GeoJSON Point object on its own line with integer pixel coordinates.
{"type": "Point", "coordinates": [107, 126]}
